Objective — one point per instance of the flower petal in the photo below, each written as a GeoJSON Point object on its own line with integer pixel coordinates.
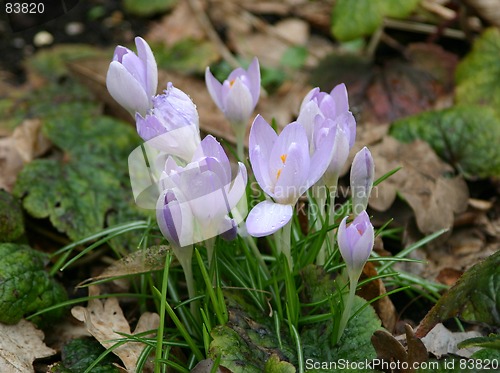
{"type": "Point", "coordinates": [292, 178]}
{"type": "Point", "coordinates": [261, 143]}
{"type": "Point", "coordinates": [214, 88]}
{"type": "Point", "coordinates": [238, 105]}
{"type": "Point", "coordinates": [126, 90]}
{"type": "Point", "coordinates": [321, 158]}
{"type": "Point", "coordinates": [339, 95]}
{"type": "Point", "coordinates": [254, 79]}
{"type": "Point", "coordinates": [267, 217]}
{"type": "Point", "coordinates": [146, 55]}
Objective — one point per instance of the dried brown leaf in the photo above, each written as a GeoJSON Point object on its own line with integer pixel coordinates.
{"type": "Point", "coordinates": [104, 319]}
{"type": "Point", "coordinates": [25, 144]}
{"type": "Point", "coordinates": [20, 345]}
{"type": "Point", "coordinates": [384, 307]}
{"type": "Point", "coordinates": [423, 181]}
{"type": "Point", "coordinates": [178, 25]}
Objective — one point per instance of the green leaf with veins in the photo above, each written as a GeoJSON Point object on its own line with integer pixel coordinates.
{"type": "Point", "coordinates": [248, 342]}
{"type": "Point", "coordinates": [79, 354]}
{"type": "Point", "coordinates": [474, 298]}
{"type": "Point", "coordinates": [353, 19]}
{"type": "Point", "coordinates": [11, 217]}
{"type": "Point", "coordinates": [25, 287]}
{"type": "Point", "coordinates": [91, 180]}
{"type": "Point", "coordinates": [466, 136]}
{"type": "Point", "coordinates": [478, 73]}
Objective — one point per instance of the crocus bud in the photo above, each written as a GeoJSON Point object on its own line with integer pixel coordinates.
{"type": "Point", "coordinates": [175, 218]}
{"type": "Point", "coordinates": [132, 79]}
{"type": "Point", "coordinates": [237, 96]}
{"type": "Point", "coordinates": [356, 243]}
{"type": "Point", "coordinates": [362, 174]}
{"type": "Point", "coordinates": [172, 125]}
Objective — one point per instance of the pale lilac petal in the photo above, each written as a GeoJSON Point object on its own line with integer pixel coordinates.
{"type": "Point", "coordinates": [293, 133]}
{"type": "Point", "coordinates": [210, 147]}
{"type": "Point", "coordinates": [262, 139]}
{"type": "Point", "coordinates": [146, 55]}
{"type": "Point", "coordinates": [254, 79]}
{"type": "Point", "coordinates": [339, 95]}
{"type": "Point", "coordinates": [174, 218]}
{"type": "Point", "coordinates": [181, 142]}
{"type": "Point", "coordinates": [343, 241]}
{"type": "Point", "coordinates": [214, 88]}
{"type": "Point", "coordinates": [239, 104]}
{"type": "Point", "coordinates": [321, 159]}
{"type": "Point", "coordinates": [292, 178]}
{"type": "Point", "coordinates": [362, 248]}
{"type": "Point", "coordinates": [307, 117]}
{"type": "Point", "coordinates": [236, 73]}
{"type": "Point", "coordinates": [339, 158]}
{"type": "Point", "coordinates": [309, 96]}
{"type": "Point", "coordinates": [148, 127]}
{"type": "Point", "coordinates": [362, 176]}
{"type": "Point", "coordinates": [237, 188]}
{"type": "Point", "coordinates": [120, 52]}
{"type": "Point", "coordinates": [125, 89]}
{"type": "Point", "coordinates": [268, 217]}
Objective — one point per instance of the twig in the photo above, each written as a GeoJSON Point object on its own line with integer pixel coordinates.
{"type": "Point", "coordinates": [207, 26]}
{"type": "Point", "coordinates": [423, 28]}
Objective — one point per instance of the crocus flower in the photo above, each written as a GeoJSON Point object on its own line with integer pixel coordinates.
{"type": "Point", "coordinates": [355, 245]}
{"type": "Point", "coordinates": [284, 170]}
{"type": "Point", "coordinates": [237, 96]}
{"type": "Point", "coordinates": [356, 242]}
{"type": "Point", "coordinates": [132, 79]}
{"type": "Point", "coordinates": [333, 105]}
{"type": "Point", "coordinates": [339, 128]}
{"type": "Point", "coordinates": [362, 175]}
{"type": "Point", "coordinates": [197, 198]}
{"type": "Point", "coordinates": [172, 125]}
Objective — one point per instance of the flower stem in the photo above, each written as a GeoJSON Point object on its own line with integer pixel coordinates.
{"type": "Point", "coordinates": [285, 244]}
{"type": "Point", "coordinates": [240, 131]}
{"type": "Point", "coordinates": [353, 283]}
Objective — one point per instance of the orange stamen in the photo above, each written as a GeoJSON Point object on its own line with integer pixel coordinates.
{"type": "Point", "coordinates": [283, 158]}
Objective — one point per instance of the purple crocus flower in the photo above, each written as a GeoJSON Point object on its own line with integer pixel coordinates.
{"type": "Point", "coordinates": [356, 243]}
{"type": "Point", "coordinates": [172, 125]}
{"type": "Point", "coordinates": [362, 176]}
{"type": "Point", "coordinates": [132, 79]}
{"type": "Point", "coordinates": [284, 170]}
{"type": "Point", "coordinates": [197, 198]}
{"type": "Point", "coordinates": [237, 96]}
{"type": "Point", "coordinates": [333, 105]}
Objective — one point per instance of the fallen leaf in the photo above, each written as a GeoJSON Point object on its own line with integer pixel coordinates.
{"type": "Point", "coordinates": [178, 25]}
{"type": "Point", "coordinates": [423, 182]}
{"type": "Point", "coordinates": [140, 261]}
{"type": "Point", "coordinates": [441, 341]}
{"type": "Point", "coordinates": [384, 307]}
{"type": "Point", "coordinates": [25, 144]}
{"type": "Point", "coordinates": [390, 349]}
{"type": "Point", "coordinates": [474, 298]}
{"type": "Point", "coordinates": [20, 345]}
{"type": "Point", "coordinates": [105, 319]}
